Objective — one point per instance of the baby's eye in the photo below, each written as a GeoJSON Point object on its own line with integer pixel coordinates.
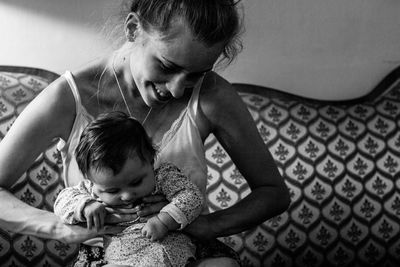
{"type": "Point", "coordinates": [136, 183]}
{"type": "Point", "coordinates": [112, 190]}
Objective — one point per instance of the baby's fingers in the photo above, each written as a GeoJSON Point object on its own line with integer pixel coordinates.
{"type": "Point", "coordinates": [101, 220]}
{"type": "Point", "coordinates": [97, 222]}
{"type": "Point", "coordinates": [89, 222]}
{"type": "Point", "coordinates": [144, 231]}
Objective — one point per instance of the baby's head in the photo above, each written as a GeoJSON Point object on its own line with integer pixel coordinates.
{"type": "Point", "coordinates": [116, 154]}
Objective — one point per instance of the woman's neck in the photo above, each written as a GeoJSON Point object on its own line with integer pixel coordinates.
{"type": "Point", "coordinates": [124, 82]}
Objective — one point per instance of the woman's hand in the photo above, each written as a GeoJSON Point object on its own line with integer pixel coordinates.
{"type": "Point", "coordinates": [120, 215]}
{"type": "Point", "coordinates": [79, 234]}
{"type": "Point", "coordinates": [152, 205]}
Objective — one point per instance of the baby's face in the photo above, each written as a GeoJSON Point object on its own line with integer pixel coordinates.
{"type": "Point", "coordinates": [135, 181]}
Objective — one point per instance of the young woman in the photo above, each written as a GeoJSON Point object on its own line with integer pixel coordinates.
{"type": "Point", "coordinates": [163, 76]}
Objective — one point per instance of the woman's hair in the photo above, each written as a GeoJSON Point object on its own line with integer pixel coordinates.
{"type": "Point", "coordinates": [109, 140]}
{"type": "Point", "coordinates": [211, 21]}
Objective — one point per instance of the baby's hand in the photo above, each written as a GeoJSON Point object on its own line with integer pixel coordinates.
{"type": "Point", "coordinates": [94, 212]}
{"type": "Point", "coordinates": [154, 229]}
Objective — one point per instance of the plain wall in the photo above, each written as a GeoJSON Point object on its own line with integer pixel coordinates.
{"type": "Point", "coordinates": [327, 49]}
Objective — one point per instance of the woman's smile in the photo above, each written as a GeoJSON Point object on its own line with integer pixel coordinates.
{"type": "Point", "coordinates": [161, 95]}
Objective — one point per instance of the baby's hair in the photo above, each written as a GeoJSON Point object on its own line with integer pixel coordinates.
{"type": "Point", "coordinates": [109, 140]}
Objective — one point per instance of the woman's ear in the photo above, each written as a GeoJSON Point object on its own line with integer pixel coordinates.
{"type": "Point", "coordinates": [132, 26]}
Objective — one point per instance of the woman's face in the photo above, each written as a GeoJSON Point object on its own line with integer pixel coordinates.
{"type": "Point", "coordinates": [164, 66]}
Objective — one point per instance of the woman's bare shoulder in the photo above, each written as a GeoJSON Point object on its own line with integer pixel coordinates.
{"type": "Point", "coordinates": [217, 94]}
{"type": "Point", "coordinates": [91, 82]}
{"type": "Point", "coordinates": [58, 94]}
{"type": "Point", "coordinates": [56, 105]}
{"type": "Point", "coordinates": [219, 102]}
{"type": "Point", "coordinates": [215, 85]}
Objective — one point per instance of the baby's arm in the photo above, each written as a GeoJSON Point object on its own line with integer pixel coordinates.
{"type": "Point", "coordinates": [186, 202]}
{"type": "Point", "coordinates": [76, 204]}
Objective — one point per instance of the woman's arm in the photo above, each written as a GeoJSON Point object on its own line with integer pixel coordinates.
{"type": "Point", "coordinates": [50, 115]}
{"type": "Point", "coordinates": [226, 116]}
{"type": "Point", "coordinates": [18, 217]}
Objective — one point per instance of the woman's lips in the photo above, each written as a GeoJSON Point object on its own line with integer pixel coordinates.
{"type": "Point", "coordinates": [162, 96]}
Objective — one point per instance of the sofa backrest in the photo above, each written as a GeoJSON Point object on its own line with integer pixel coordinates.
{"type": "Point", "coordinates": [340, 161]}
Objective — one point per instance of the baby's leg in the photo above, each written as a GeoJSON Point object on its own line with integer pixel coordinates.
{"type": "Point", "coordinates": [215, 262]}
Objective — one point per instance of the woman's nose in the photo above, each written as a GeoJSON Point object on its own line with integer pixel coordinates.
{"type": "Point", "coordinates": [177, 85]}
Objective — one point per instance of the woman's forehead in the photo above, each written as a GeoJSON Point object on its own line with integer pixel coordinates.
{"type": "Point", "coordinates": [180, 47]}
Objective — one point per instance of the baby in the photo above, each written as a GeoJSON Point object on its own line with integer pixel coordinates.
{"type": "Point", "coordinates": [116, 157]}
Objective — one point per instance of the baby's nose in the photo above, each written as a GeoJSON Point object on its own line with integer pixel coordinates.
{"type": "Point", "coordinates": [127, 196]}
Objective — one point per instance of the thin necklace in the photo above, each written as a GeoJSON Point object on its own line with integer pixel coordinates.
{"type": "Point", "coordinates": [123, 96]}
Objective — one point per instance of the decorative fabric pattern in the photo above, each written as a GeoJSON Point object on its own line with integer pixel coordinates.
{"type": "Point", "coordinates": [340, 161]}
{"type": "Point", "coordinates": [41, 183]}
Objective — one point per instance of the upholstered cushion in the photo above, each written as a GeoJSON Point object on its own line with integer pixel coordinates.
{"type": "Point", "coordinates": [340, 161]}
{"type": "Point", "coordinates": [42, 182]}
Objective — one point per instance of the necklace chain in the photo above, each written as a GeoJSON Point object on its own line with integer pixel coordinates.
{"type": "Point", "coordinates": [123, 96]}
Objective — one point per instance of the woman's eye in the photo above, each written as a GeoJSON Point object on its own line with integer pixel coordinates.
{"type": "Point", "coordinates": [166, 69]}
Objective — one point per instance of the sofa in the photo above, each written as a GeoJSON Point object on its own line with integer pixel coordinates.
{"type": "Point", "coordinates": [340, 161]}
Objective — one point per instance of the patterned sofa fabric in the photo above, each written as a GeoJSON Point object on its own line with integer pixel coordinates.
{"type": "Point", "coordinates": [41, 183]}
{"type": "Point", "coordinates": [340, 161]}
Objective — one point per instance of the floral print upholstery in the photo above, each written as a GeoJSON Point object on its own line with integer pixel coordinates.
{"type": "Point", "coordinates": [340, 161]}
{"type": "Point", "coordinates": [41, 183]}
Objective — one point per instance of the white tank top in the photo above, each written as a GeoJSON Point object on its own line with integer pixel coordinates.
{"type": "Point", "coordinates": [181, 144]}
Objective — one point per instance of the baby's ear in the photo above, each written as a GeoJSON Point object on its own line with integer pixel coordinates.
{"type": "Point", "coordinates": [132, 26]}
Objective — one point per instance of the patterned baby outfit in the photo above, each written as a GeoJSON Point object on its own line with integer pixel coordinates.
{"type": "Point", "coordinates": [130, 247]}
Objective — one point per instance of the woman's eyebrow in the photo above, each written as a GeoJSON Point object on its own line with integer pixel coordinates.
{"type": "Point", "coordinates": [176, 66]}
